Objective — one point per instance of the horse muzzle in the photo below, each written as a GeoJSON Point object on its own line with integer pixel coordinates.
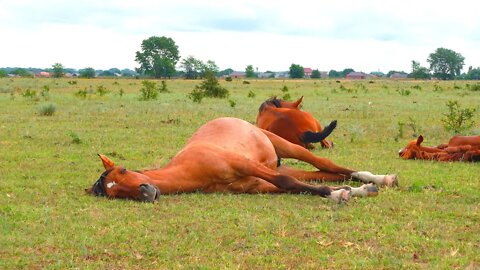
{"type": "Point", "coordinates": [148, 193]}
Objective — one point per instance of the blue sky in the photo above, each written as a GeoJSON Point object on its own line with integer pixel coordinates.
{"type": "Point", "coordinates": [270, 35]}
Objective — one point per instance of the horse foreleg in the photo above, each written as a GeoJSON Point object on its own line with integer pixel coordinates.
{"type": "Point", "coordinates": [285, 149]}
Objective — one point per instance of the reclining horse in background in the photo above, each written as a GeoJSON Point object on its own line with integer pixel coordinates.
{"type": "Point", "coordinates": [285, 119]}
{"type": "Point", "coordinates": [459, 148]}
{"type": "Point", "coordinates": [232, 155]}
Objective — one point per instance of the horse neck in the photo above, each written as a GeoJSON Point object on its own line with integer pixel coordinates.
{"type": "Point", "coordinates": [168, 179]}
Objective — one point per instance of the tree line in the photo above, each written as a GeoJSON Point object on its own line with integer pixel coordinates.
{"type": "Point", "coordinates": [159, 57]}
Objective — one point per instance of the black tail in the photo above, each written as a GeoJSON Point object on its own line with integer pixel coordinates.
{"type": "Point", "coordinates": [313, 137]}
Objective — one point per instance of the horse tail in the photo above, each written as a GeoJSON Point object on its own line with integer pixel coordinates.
{"type": "Point", "coordinates": [312, 137]}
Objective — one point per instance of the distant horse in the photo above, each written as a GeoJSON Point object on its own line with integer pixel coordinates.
{"type": "Point", "coordinates": [285, 119]}
{"type": "Point", "coordinates": [232, 155]}
{"type": "Point", "coordinates": [459, 148]}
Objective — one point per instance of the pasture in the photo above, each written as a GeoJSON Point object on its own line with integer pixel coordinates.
{"type": "Point", "coordinates": [430, 221]}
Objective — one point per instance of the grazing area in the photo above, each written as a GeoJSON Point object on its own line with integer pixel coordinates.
{"type": "Point", "coordinates": [52, 129]}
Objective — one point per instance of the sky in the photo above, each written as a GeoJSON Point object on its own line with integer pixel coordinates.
{"type": "Point", "coordinates": [269, 35]}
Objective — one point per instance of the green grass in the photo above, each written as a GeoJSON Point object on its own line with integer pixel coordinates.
{"type": "Point", "coordinates": [47, 221]}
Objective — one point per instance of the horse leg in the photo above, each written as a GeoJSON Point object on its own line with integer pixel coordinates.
{"type": "Point", "coordinates": [282, 183]}
{"type": "Point", "coordinates": [285, 149]}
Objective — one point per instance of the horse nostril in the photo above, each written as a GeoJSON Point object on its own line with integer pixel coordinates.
{"type": "Point", "coordinates": [148, 193]}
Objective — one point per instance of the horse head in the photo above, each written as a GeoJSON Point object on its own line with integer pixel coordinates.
{"type": "Point", "coordinates": [412, 149]}
{"type": "Point", "coordinates": [118, 182]}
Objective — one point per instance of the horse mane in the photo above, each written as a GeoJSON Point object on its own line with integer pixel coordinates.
{"type": "Point", "coordinates": [273, 101]}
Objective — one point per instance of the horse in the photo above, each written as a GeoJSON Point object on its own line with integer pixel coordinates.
{"type": "Point", "coordinates": [231, 155]}
{"type": "Point", "coordinates": [285, 119]}
{"type": "Point", "coordinates": [454, 150]}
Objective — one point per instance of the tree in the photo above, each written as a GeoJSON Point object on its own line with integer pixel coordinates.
{"type": "Point", "coordinates": [250, 72]}
{"type": "Point", "coordinates": [346, 71]}
{"type": "Point", "coordinates": [473, 73]}
{"type": "Point", "coordinates": [334, 74]}
{"type": "Point", "coordinates": [158, 57]}
{"type": "Point", "coordinates": [87, 73]}
{"type": "Point", "coordinates": [58, 70]}
{"type": "Point", "coordinates": [445, 63]}
{"type": "Point", "coordinates": [315, 74]}
{"type": "Point", "coordinates": [192, 67]}
{"type": "Point", "coordinates": [296, 71]}
{"type": "Point", "coordinates": [419, 72]}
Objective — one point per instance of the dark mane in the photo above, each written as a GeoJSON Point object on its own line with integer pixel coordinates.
{"type": "Point", "coordinates": [273, 101]}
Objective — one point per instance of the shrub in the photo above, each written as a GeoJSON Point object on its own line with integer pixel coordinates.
{"type": "Point", "coordinates": [232, 102]}
{"type": "Point", "coordinates": [47, 109]}
{"type": "Point", "coordinates": [228, 79]}
{"type": "Point", "coordinates": [45, 92]}
{"type": "Point", "coordinates": [458, 120]}
{"type": "Point", "coordinates": [210, 87]}
{"type": "Point", "coordinates": [246, 82]}
{"type": "Point", "coordinates": [404, 92]}
{"type": "Point", "coordinates": [148, 91]}
{"type": "Point", "coordinates": [251, 94]}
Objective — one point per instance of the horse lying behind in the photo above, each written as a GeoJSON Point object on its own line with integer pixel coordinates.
{"type": "Point", "coordinates": [459, 148]}
{"type": "Point", "coordinates": [285, 119]}
{"type": "Point", "coordinates": [232, 155]}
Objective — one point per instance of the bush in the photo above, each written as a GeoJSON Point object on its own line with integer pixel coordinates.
{"type": "Point", "coordinates": [75, 138]}
{"type": "Point", "coordinates": [228, 79]}
{"type": "Point", "coordinates": [473, 87]}
{"type": "Point", "coordinates": [251, 94]}
{"type": "Point", "coordinates": [148, 91]}
{"type": "Point", "coordinates": [81, 93]}
{"type": "Point", "coordinates": [47, 109]}
{"type": "Point", "coordinates": [210, 87]}
{"type": "Point", "coordinates": [163, 88]}
{"type": "Point", "coordinates": [458, 120]}
{"type": "Point", "coordinates": [29, 93]}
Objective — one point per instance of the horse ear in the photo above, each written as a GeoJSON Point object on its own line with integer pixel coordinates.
{"type": "Point", "coordinates": [107, 163]}
{"type": "Point", "coordinates": [297, 103]}
{"type": "Point", "coordinates": [419, 140]}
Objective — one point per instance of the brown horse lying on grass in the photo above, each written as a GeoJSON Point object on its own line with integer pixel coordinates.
{"type": "Point", "coordinates": [285, 119]}
{"type": "Point", "coordinates": [459, 148]}
{"type": "Point", "coordinates": [232, 155]}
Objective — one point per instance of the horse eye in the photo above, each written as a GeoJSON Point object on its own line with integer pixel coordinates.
{"type": "Point", "coordinates": [123, 171]}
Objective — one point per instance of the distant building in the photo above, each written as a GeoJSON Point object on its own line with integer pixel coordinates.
{"type": "Point", "coordinates": [282, 74]}
{"type": "Point", "coordinates": [356, 76]}
{"type": "Point", "coordinates": [237, 75]}
{"type": "Point", "coordinates": [398, 76]}
{"type": "Point", "coordinates": [43, 74]}
{"type": "Point", "coordinates": [307, 72]}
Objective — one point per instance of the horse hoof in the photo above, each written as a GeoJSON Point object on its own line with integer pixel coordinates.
{"type": "Point", "coordinates": [390, 180]}
{"type": "Point", "coordinates": [149, 193]}
{"type": "Point", "coordinates": [365, 190]}
{"type": "Point", "coordinates": [340, 196]}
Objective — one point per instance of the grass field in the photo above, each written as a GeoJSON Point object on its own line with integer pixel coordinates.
{"type": "Point", "coordinates": [432, 221]}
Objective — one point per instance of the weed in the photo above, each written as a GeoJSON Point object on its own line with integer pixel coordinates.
{"type": "Point", "coordinates": [246, 82]}
{"type": "Point", "coordinates": [45, 93]}
{"type": "Point", "coordinates": [81, 93]}
{"type": "Point", "coordinates": [437, 88]}
{"type": "Point", "coordinates": [121, 92]}
{"type": "Point", "coordinates": [414, 126]}
{"type": "Point", "coordinates": [403, 92]}
{"type": "Point", "coordinates": [29, 93]}
{"type": "Point", "coordinates": [418, 87]}
{"type": "Point", "coordinates": [232, 102]}
{"type": "Point", "coordinates": [228, 79]}
{"type": "Point", "coordinates": [458, 120]}
{"type": "Point", "coordinates": [47, 109]}
{"type": "Point", "coordinates": [284, 89]}
{"type": "Point", "coordinates": [251, 94]}
{"type": "Point", "coordinates": [75, 138]}
{"type": "Point", "coordinates": [163, 88]}
{"type": "Point", "coordinates": [401, 126]}
{"type": "Point", "coordinates": [196, 95]}
{"type": "Point", "coordinates": [473, 87]}
{"type": "Point", "coordinates": [101, 90]}
{"type": "Point", "coordinates": [72, 82]}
